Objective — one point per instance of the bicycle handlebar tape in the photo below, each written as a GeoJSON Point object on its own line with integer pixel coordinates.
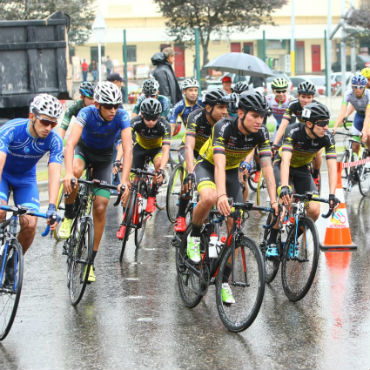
{"type": "Point", "coordinates": [338, 234]}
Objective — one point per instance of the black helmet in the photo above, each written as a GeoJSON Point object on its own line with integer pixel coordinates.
{"type": "Point", "coordinates": [151, 107]}
{"type": "Point", "coordinates": [87, 89]}
{"type": "Point", "coordinates": [314, 112]}
{"type": "Point", "coordinates": [253, 101]}
{"type": "Point", "coordinates": [306, 87]}
{"type": "Point", "coordinates": [214, 97]}
{"type": "Point", "coordinates": [240, 87]}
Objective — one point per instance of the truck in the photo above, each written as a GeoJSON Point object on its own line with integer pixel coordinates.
{"type": "Point", "coordinates": [33, 59]}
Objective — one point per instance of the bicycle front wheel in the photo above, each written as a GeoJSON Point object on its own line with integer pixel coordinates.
{"type": "Point", "coordinates": [364, 177]}
{"type": "Point", "coordinates": [300, 259]}
{"type": "Point", "coordinates": [127, 221]}
{"type": "Point", "coordinates": [162, 194]}
{"type": "Point", "coordinates": [11, 273]}
{"type": "Point", "coordinates": [59, 207]}
{"type": "Point", "coordinates": [244, 272]}
{"type": "Point", "coordinates": [81, 260]}
{"type": "Point", "coordinates": [143, 216]}
{"type": "Point", "coordinates": [174, 192]}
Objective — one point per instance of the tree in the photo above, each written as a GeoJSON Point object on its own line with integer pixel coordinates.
{"type": "Point", "coordinates": [360, 18]}
{"type": "Point", "coordinates": [80, 11]}
{"type": "Point", "coordinates": [214, 16]}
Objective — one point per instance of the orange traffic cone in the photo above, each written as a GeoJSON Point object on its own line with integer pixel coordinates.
{"type": "Point", "coordinates": [338, 234]}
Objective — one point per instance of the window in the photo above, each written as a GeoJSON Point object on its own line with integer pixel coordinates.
{"type": "Point", "coordinates": [94, 53]}
{"type": "Point", "coordinates": [131, 53]}
{"type": "Point", "coordinates": [274, 44]}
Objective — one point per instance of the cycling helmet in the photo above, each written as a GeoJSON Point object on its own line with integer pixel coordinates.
{"type": "Point", "coordinates": [359, 79]}
{"type": "Point", "coordinates": [279, 83]}
{"type": "Point", "coordinates": [306, 87]}
{"type": "Point", "coordinates": [151, 107]}
{"type": "Point", "coordinates": [107, 93]}
{"type": "Point", "coordinates": [46, 104]}
{"type": "Point", "coordinates": [87, 89]}
{"type": "Point", "coordinates": [215, 97]}
{"type": "Point", "coordinates": [315, 111]}
{"type": "Point", "coordinates": [190, 82]}
{"type": "Point", "coordinates": [240, 87]}
{"type": "Point", "coordinates": [366, 72]}
{"type": "Point", "coordinates": [253, 101]}
{"type": "Point", "coordinates": [150, 87]}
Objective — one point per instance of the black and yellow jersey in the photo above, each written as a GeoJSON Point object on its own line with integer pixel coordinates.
{"type": "Point", "coordinates": [198, 127]}
{"type": "Point", "coordinates": [227, 139]}
{"type": "Point", "coordinates": [303, 148]}
{"type": "Point", "coordinates": [294, 109]}
{"type": "Point", "coordinates": [151, 138]}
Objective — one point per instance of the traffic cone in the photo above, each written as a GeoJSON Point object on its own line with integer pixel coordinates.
{"type": "Point", "coordinates": [338, 234]}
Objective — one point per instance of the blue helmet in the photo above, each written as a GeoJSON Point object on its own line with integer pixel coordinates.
{"type": "Point", "coordinates": [359, 80]}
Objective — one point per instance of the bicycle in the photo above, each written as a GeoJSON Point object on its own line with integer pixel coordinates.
{"type": "Point", "coordinates": [79, 246]}
{"type": "Point", "coordinates": [11, 265]}
{"type": "Point", "coordinates": [174, 186]}
{"type": "Point", "coordinates": [239, 259]}
{"type": "Point", "coordinates": [299, 252]}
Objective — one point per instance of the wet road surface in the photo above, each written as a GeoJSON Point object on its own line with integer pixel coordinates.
{"type": "Point", "coordinates": [132, 317]}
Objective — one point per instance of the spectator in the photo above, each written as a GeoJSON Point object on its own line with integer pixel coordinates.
{"type": "Point", "coordinates": [93, 69]}
{"type": "Point", "coordinates": [165, 75]}
{"type": "Point", "coordinates": [85, 69]}
{"type": "Point", "coordinates": [226, 84]}
{"type": "Point", "coordinates": [109, 66]}
{"type": "Point", "coordinates": [118, 81]}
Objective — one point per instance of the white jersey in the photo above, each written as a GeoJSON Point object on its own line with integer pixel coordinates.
{"type": "Point", "coordinates": [278, 109]}
{"type": "Point", "coordinates": [360, 104]}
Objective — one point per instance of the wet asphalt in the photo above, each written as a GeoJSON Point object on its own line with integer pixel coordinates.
{"type": "Point", "coordinates": [132, 317]}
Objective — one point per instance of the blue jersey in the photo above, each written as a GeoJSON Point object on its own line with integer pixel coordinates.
{"type": "Point", "coordinates": [97, 133]}
{"type": "Point", "coordinates": [183, 109]}
{"type": "Point", "coordinates": [24, 151]}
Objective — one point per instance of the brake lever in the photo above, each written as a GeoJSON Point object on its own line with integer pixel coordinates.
{"type": "Point", "coordinates": [119, 196]}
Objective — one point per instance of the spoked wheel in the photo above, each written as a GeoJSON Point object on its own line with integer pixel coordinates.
{"type": "Point", "coordinates": [11, 269]}
{"type": "Point", "coordinates": [346, 174]}
{"type": "Point", "coordinates": [127, 221]}
{"type": "Point", "coordinates": [60, 207]}
{"type": "Point", "coordinates": [247, 282]}
{"type": "Point", "coordinates": [364, 177]}
{"type": "Point", "coordinates": [174, 191]}
{"type": "Point", "coordinates": [162, 193]}
{"type": "Point", "coordinates": [187, 279]}
{"type": "Point", "coordinates": [253, 179]}
{"type": "Point", "coordinates": [81, 260]}
{"type": "Point", "coordinates": [300, 259]}
{"type": "Point", "coordinates": [143, 216]}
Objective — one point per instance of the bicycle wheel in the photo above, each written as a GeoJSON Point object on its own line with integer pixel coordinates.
{"type": "Point", "coordinates": [127, 221]}
{"type": "Point", "coordinates": [364, 177]}
{"type": "Point", "coordinates": [162, 193]}
{"type": "Point", "coordinates": [247, 282]}
{"type": "Point", "coordinates": [10, 293]}
{"type": "Point", "coordinates": [253, 179]}
{"type": "Point", "coordinates": [143, 216]}
{"type": "Point", "coordinates": [60, 207]}
{"type": "Point", "coordinates": [81, 259]}
{"type": "Point", "coordinates": [173, 192]}
{"type": "Point", "coordinates": [345, 158]}
{"type": "Point", "coordinates": [188, 281]}
{"type": "Point", "coordinates": [300, 260]}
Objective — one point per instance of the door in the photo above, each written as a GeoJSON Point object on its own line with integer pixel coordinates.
{"type": "Point", "coordinates": [316, 58]}
{"type": "Point", "coordinates": [179, 61]}
{"type": "Point", "coordinates": [235, 47]}
{"type": "Point", "coordinates": [248, 48]}
{"type": "Point", "coordinates": [299, 58]}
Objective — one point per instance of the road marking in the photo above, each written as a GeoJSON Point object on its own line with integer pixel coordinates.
{"type": "Point", "coordinates": [149, 249]}
{"type": "Point", "coordinates": [132, 279]}
{"type": "Point", "coordinates": [135, 297]}
{"type": "Point", "coordinates": [144, 319]}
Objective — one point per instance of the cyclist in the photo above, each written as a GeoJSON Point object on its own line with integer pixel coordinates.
{"type": "Point", "coordinates": [300, 145]}
{"type": "Point", "coordinates": [216, 174]}
{"type": "Point", "coordinates": [150, 89]}
{"type": "Point", "coordinates": [198, 130]}
{"type": "Point", "coordinates": [90, 144]}
{"type": "Point", "coordinates": [359, 98]}
{"type": "Point", "coordinates": [366, 73]}
{"type": "Point", "coordinates": [239, 87]}
{"type": "Point", "coordinates": [153, 138]}
{"type": "Point", "coordinates": [22, 144]}
{"type": "Point", "coordinates": [86, 99]}
{"type": "Point", "coordinates": [189, 103]}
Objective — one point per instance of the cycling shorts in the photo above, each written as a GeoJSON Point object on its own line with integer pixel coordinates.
{"type": "Point", "coordinates": [204, 178]}
{"type": "Point", "coordinates": [140, 155]}
{"type": "Point", "coordinates": [357, 132]}
{"type": "Point", "coordinates": [101, 165]}
{"type": "Point", "coordinates": [358, 121]}
{"type": "Point", "coordinates": [25, 191]}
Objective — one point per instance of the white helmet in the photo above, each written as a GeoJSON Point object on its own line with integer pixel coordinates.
{"type": "Point", "coordinates": [190, 82]}
{"type": "Point", "coordinates": [46, 104]}
{"type": "Point", "coordinates": [107, 93]}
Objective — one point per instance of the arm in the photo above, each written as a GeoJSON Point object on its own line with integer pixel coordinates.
{"type": "Point", "coordinates": [280, 132]}
{"type": "Point", "coordinates": [54, 180]}
{"type": "Point", "coordinates": [2, 162]}
{"type": "Point", "coordinates": [268, 174]}
{"type": "Point", "coordinates": [165, 156]}
{"type": "Point", "coordinates": [332, 174]}
{"type": "Point", "coordinates": [366, 126]}
{"type": "Point", "coordinates": [342, 114]}
{"type": "Point", "coordinates": [220, 180]}
{"type": "Point", "coordinates": [284, 173]}
{"type": "Point", "coordinates": [189, 152]}
{"type": "Point", "coordinates": [126, 139]}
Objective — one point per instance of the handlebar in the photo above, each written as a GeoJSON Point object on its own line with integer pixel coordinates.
{"type": "Point", "coordinates": [345, 121]}
{"type": "Point", "coordinates": [139, 172]}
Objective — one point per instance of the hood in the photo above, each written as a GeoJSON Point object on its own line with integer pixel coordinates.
{"type": "Point", "coordinates": [158, 58]}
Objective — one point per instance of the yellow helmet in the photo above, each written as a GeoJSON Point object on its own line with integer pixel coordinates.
{"type": "Point", "coordinates": [366, 72]}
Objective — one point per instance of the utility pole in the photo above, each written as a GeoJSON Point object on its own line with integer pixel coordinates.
{"type": "Point", "coordinates": [292, 42]}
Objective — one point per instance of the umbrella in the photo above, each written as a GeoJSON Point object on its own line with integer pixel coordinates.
{"type": "Point", "coordinates": [241, 64]}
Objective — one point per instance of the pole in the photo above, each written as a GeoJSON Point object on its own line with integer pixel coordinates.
{"type": "Point", "coordinates": [99, 61]}
{"type": "Point", "coordinates": [353, 49]}
{"type": "Point", "coordinates": [292, 43]}
{"type": "Point", "coordinates": [327, 78]}
{"type": "Point", "coordinates": [264, 45]}
{"type": "Point", "coordinates": [125, 66]}
{"type": "Point", "coordinates": [197, 57]}
{"type": "Point", "coordinates": [343, 61]}
{"type": "Point", "coordinates": [328, 48]}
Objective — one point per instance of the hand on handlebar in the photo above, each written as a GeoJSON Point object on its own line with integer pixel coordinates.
{"type": "Point", "coordinates": [189, 182]}
{"type": "Point", "coordinates": [223, 205]}
{"type": "Point", "coordinates": [52, 216]}
{"type": "Point", "coordinates": [68, 186]}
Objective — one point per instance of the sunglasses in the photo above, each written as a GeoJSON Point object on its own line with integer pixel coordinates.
{"type": "Point", "coordinates": [280, 91]}
{"type": "Point", "coordinates": [150, 117]}
{"type": "Point", "coordinates": [46, 122]}
{"type": "Point", "coordinates": [322, 123]}
{"type": "Point", "coordinates": [111, 106]}
{"type": "Point", "coordinates": [358, 87]}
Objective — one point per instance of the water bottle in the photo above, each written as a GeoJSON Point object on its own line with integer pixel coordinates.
{"type": "Point", "coordinates": [212, 246]}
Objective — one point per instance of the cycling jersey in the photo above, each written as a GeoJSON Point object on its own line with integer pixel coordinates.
{"type": "Point", "coordinates": [295, 109]}
{"type": "Point", "coordinates": [278, 109]}
{"type": "Point", "coordinates": [165, 103]}
{"type": "Point", "coordinates": [98, 133]}
{"type": "Point", "coordinates": [303, 148]}
{"type": "Point", "coordinates": [228, 140]}
{"type": "Point", "coordinates": [150, 138]}
{"type": "Point", "coordinates": [360, 104]}
{"type": "Point", "coordinates": [70, 112]}
{"type": "Point", "coordinates": [182, 109]}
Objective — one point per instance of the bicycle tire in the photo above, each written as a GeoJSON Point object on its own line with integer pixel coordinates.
{"type": "Point", "coordinates": [143, 216]}
{"type": "Point", "coordinates": [364, 177]}
{"type": "Point", "coordinates": [345, 158]}
{"type": "Point", "coordinates": [162, 194]}
{"type": "Point", "coordinates": [174, 192]}
{"type": "Point", "coordinates": [251, 180]}
{"type": "Point", "coordinates": [248, 298]}
{"type": "Point", "coordinates": [81, 259]}
{"type": "Point", "coordinates": [298, 271]}
{"type": "Point", "coordinates": [186, 279]}
{"type": "Point", "coordinates": [59, 208]}
{"type": "Point", "coordinates": [9, 297]}
{"type": "Point", "coordinates": [127, 221]}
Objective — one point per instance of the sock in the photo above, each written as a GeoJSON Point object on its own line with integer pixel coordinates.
{"type": "Point", "coordinates": [182, 207]}
{"type": "Point", "coordinates": [273, 235]}
{"type": "Point", "coordinates": [69, 211]}
{"type": "Point", "coordinates": [195, 231]}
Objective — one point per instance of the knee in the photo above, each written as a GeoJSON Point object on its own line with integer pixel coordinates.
{"type": "Point", "coordinates": [209, 199]}
{"type": "Point", "coordinates": [29, 223]}
{"type": "Point", "coordinates": [314, 211]}
{"type": "Point", "coordinates": [100, 208]}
